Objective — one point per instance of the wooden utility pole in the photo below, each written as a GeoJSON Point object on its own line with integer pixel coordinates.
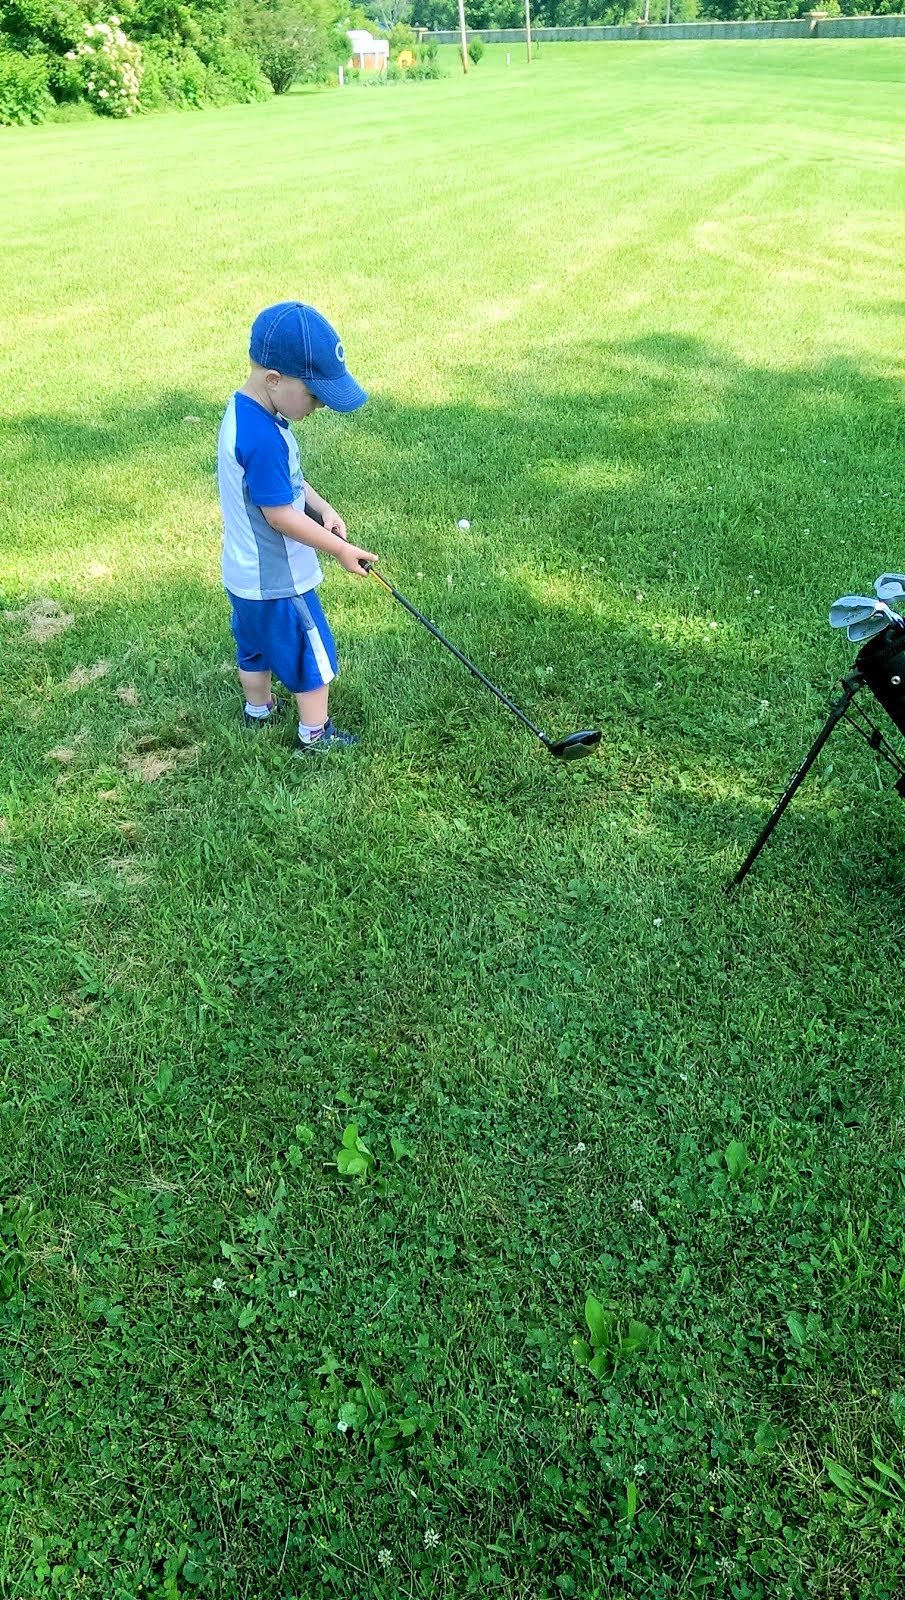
{"type": "Point", "coordinates": [668, 10]}
{"type": "Point", "coordinates": [528, 26]}
{"type": "Point", "coordinates": [464, 35]}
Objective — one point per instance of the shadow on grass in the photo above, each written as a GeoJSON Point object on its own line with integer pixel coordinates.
{"type": "Point", "coordinates": [505, 960]}
{"type": "Point", "coordinates": [652, 550]}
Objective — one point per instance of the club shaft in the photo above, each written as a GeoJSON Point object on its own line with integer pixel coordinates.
{"type": "Point", "coordinates": [454, 651]}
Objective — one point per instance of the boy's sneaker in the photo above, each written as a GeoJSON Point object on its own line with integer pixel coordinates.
{"type": "Point", "coordinates": [277, 706]}
{"type": "Point", "coordinates": [327, 740]}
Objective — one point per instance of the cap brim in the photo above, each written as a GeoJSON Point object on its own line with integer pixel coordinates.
{"type": "Point", "coordinates": [340, 394]}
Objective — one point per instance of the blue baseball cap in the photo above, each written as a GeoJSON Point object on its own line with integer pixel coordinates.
{"type": "Point", "coordinates": [298, 342]}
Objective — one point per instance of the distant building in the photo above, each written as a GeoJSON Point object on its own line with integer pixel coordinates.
{"type": "Point", "coordinates": [368, 54]}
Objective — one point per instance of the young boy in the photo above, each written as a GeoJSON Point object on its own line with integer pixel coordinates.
{"type": "Point", "coordinates": [270, 542]}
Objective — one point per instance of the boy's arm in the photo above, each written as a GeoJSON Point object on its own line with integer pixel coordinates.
{"type": "Point", "coordinates": [294, 524]}
{"type": "Point", "coordinates": [331, 518]}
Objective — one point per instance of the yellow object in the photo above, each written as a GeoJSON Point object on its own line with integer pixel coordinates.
{"type": "Point", "coordinates": [406, 58]}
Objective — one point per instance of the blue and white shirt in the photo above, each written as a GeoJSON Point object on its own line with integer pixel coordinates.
{"type": "Point", "coordinates": [258, 465]}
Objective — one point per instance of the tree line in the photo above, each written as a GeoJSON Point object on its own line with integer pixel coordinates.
{"type": "Point", "coordinates": [146, 55]}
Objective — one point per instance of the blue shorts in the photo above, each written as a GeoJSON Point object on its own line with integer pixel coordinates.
{"type": "Point", "coordinates": [290, 638]}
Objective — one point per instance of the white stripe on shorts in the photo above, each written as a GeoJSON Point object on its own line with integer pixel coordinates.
{"type": "Point", "coordinates": [320, 655]}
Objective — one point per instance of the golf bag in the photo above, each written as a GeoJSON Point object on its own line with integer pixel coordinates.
{"type": "Point", "coordinates": [881, 663]}
{"type": "Point", "coordinates": [879, 667]}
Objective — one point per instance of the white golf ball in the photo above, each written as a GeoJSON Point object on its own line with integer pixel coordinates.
{"type": "Point", "coordinates": [463, 523]}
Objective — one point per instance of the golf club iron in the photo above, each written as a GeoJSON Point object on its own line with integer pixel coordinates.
{"type": "Point", "coordinates": [570, 748]}
{"type": "Point", "coordinates": [863, 617]}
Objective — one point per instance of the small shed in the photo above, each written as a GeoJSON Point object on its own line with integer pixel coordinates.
{"type": "Point", "coordinates": [368, 54]}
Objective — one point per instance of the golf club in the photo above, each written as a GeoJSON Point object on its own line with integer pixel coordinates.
{"type": "Point", "coordinates": [852, 608]}
{"type": "Point", "coordinates": [570, 748]}
{"type": "Point", "coordinates": [863, 617]}
{"type": "Point", "coordinates": [859, 632]}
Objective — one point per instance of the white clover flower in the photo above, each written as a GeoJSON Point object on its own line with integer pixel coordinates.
{"type": "Point", "coordinates": [218, 1285]}
{"type": "Point", "coordinates": [342, 1427]}
{"type": "Point", "coordinates": [115, 22]}
{"type": "Point", "coordinates": [431, 1539]}
{"type": "Point", "coordinates": [101, 27]}
{"type": "Point", "coordinates": [658, 922]}
{"type": "Point", "coordinates": [71, 55]}
{"type": "Point", "coordinates": [385, 1557]}
{"type": "Point", "coordinates": [89, 30]}
{"type": "Point", "coordinates": [293, 1294]}
{"type": "Point", "coordinates": [639, 1469]}
{"type": "Point", "coordinates": [102, 94]}
{"type": "Point", "coordinates": [638, 1205]}
{"type": "Point", "coordinates": [91, 84]}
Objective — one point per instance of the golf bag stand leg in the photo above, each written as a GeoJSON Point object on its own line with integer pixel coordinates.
{"type": "Point", "coordinates": [852, 683]}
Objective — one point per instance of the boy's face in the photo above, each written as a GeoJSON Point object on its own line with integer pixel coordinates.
{"type": "Point", "coordinates": [291, 397]}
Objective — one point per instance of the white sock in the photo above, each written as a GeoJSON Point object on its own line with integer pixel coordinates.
{"type": "Point", "coordinates": [309, 735]}
{"type": "Point", "coordinates": [258, 711]}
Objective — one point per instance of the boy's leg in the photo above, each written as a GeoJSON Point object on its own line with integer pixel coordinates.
{"type": "Point", "coordinates": [312, 704]}
{"type": "Point", "coordinates": [257, 686]}
{"type": "Point", "coordinates": [317, 669]}
{"type": "Point", "coordinates": [251, 627]}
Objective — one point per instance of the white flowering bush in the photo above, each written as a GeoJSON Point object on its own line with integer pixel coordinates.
{"type": "Point", "coordinates": [111, 68]}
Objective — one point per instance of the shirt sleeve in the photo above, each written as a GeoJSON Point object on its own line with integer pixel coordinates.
{"type": "Point", "coordinates": [262, 452]}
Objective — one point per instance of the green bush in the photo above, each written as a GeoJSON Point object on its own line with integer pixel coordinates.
{"type": "Point", "coordinates": [52, 25]}
{"type": "Point", "coordinates": [402, 37]}
{"type": "Point", "coordinates": [65, 78]}
{"type": "Point", "coordinates": [293, 41]}
{"type": "Point", "coordinates": [24, 92]}
{"type": "Point", "coordinates": [475, 49]}
{"type": "Point", "coordinates": [239, 71]}
{"type": "Point", "coordinates": [178, 78]}
{"type": "Point", "coordinates": [420, 72]}
{"type": "Point", "coordinates": [174, 77]}
{"type": "Point", "coordinates": [111, 67]}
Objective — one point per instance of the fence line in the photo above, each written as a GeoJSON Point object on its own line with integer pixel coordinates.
{"type": "Point", "coordinates": [815, 26]}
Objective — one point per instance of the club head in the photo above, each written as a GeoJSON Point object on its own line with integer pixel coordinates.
{"type": "Point", "coordinates": [882, 618]}
{"type": "Point", "coordinates": [858, 632]}
{"type": "Point", "coordinates": [575, 745]}
{"type": "Point", "coordinates": [890, 586]}
{"type": "Point", "coordinates": [851, 609]}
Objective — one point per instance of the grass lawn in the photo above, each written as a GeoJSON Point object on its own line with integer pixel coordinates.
{"type": "Point", "coordinates": [633, 312]}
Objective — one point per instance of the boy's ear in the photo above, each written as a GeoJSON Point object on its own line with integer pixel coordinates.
{"type": "Point", "coordinates": [272, 378]}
